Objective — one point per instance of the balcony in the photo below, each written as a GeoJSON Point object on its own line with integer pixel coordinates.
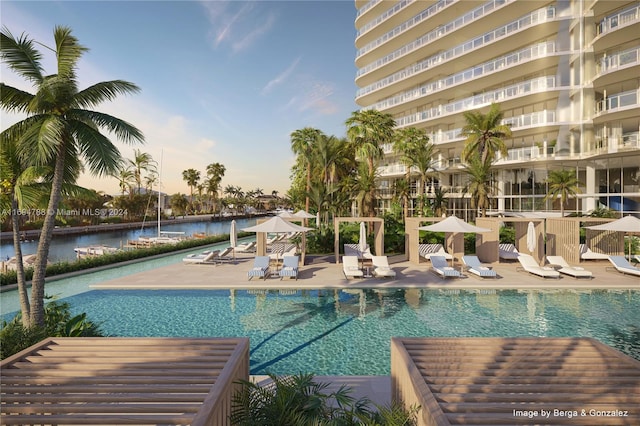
{"type": "Point", "coordinates": [627, 62]}
{"type": "Point", "coordinates": [619, 19]}
{"type": "Point", "coordinates": [617, 28]}
{"type": "Point", "coordinates": [527, 154]}
{"type": "Point", "coordinates": [612, 144]}
{"type": "Point", "coordinates": [619, 106]}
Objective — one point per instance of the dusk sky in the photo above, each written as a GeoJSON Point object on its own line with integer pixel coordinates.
{"type": "Point", "coordinates": [221, 81]}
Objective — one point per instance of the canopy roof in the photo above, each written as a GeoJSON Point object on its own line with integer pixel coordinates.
{"type": "Point", "coordinates": [277, 224]}
{"type": "Point", "coordinates": [303, 214]}
{"type": "Point", "coordinates": [453, 224]}
{"type": "Point", "coordinates": [626, 224]}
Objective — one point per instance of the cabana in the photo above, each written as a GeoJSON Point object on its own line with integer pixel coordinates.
{"type": "Point", "coordinates": [107, 380]}
{"type": "Point", "coordinates": [378, 231]}
{"type": "Point", "coordinates": [487, 244]}
{"type": "Point", "coordinates": [279, 225]}
{"type": "Point", "coordinates": [563, 238]}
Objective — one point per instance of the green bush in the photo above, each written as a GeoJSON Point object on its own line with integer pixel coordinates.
{"type": "Point", "coordinates": [58, 323]}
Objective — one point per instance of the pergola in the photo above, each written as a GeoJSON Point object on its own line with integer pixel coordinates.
{"type": "Point", "coordinates": [487, 243]}
{"type": "Point", "coordinates": [378, 230]}
{"type": "Point", "coordinates": [454, 241]}
{"type": "Point", "coordinates": [563, 237]}
{"type": "Point", "coordinates": [261, 238]}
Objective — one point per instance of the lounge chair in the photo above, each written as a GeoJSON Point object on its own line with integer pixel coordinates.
{"type": "Point", "coordinates": [381, 268]}
{"type": "Point", "coordinates": [246, 248]}
{"type": "Point", "coordinates": [204, 257]}
{"type": "Point", "coordinates": [223, 256]}
{"type": "Point", "coordinates": [530, 265]}
{"type": "Point", "coordinates": [426, 250]}
{"type": "Point", "coordinates": [260, 268]}
{"type": "Point", "coordinates": [350, 267]}
{"type": "Point", "coordinates": [354, 250]}
{"type": "Point", "coordinates": [289, 267]}
{"type": "Point", "coordinates": [440, 266]}
{"type": "Point", "coordinates": [621, 264]}
{"type": "Point", "coordinates": [508, 251]}
{"type": "Point", "coordinates": [574, 271]}
{"type": "Point", "coordinates": [281, 250]}
{"type": "Point", "coordinates": [587, 254]}
{"type": "Point", "coordinates": [476, 268]}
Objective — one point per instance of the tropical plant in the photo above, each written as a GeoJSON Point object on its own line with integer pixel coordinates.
{"type": "Point", "coordinates": [480, 185]}
{"type": "Point", "coordinates": [215, 173]}
{"type": "Point", "coordinates": [59, 126]}
{"type": "Point", "coordinates": [179, 204]}
{"type": "Point", "coordinates": [484, 134]}
{"type": "Point", "coordinates": [192, 177]}
{"type": "Point", "coordinates": [302, 142]}
{"type": "Point", "coordinates": [563, 184]}
{"type": "Point", "coordinates": [402, 193]}
{"type": "Point", "coordinates": [142, 161]}
{"type": "Point", "coordinates": [125, 177]}
{"type": "Point", "coordinates": [439, 202]}
{"type": "Point", "coordinates": [363, 186]}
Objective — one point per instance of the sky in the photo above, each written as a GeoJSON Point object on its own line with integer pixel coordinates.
{"type": "Point", "coordinates": [221, 81]}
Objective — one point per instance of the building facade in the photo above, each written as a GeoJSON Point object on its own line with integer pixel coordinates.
{"type": "Point", "coordinates": [565, 73]}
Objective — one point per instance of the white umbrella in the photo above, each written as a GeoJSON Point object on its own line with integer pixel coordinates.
{"type": "Point", "coordinates": [362, 242]}
{"type": "Point", "coordinates": [277, 225]}
{"type": "Point", "coordinates": [233, 237]}
{"type": "Point", "coordinates": [628, 225]}
{"type": "Point", "coordinates": [303, 214]}
{"type": "Point", "coordinates": [531, 237]}
{"type": "Point", "coordinates": [318, 219]}
{"type": "Point", "coordinates": [454, 225]}
{"type": "Point", "coordinates": [286, 213]}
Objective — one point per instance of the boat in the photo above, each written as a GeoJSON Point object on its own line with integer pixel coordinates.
{"type": "Point", "coordinates": [93, 251]}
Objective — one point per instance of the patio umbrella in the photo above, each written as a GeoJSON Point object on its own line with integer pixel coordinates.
{"type": "Point", "coordinates": [318, 219]}
{"type": "Point", "coordinates": [277, 225]}
{"type": "Point", "coordinates": [303, 214]}
{"type": "Point", "coordinates": [627, 225]}
{"type": "Point", "coordinates": [362, 242]}
{"type": "Point", "coordinates": [286, 213]}
{"type": "Point", "coordinates": [454, 225]}
{"type": "Point", "coordinates": [531, 237]}
{"type": "Point", "coordinates": [233, 237]}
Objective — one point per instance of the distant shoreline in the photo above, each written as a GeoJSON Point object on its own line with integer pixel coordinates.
{"type": "Point", "coordinates": [34, 234]}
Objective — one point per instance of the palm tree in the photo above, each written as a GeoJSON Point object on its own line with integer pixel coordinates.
{"type": "Point", "coordinates": [192, 177]}
{"type": "Point", "coordinates": [480, 184]}
{"type": "Point", "coordinates": [564, 184]}
{"type": "Point", "coordinates": [126, 179]}
{"type": "Point", "coordinates": [363, 189]}
{"type": "Point", "coordinates": [58, 126]}
{"type": "Point", "coordinates": [416, 153]}
{"type": "Point", "coordinates": [439, 202]}
{"type": "Point", "coordinates": [367, 131]}
{"type": "Point", "coordinates": [142, 161]}
{"type": "Point", "coordinates": [402, 192]}
{"type": "Point", "coordinates": [484, 134]}
{"type": "Point", "coordinates": [215, 172]}
{"type": "Point", "coordinates": [302, 142]}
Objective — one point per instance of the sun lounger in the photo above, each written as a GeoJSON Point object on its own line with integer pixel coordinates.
{"type": "Point", "coordinates": [223, 256]}
{"type": "Point", "coordinates": [530, 265]}
{"type": "Point", "coordinates": [354, 250]}
{"type": "Point", "coordinates": [260, 267]}
{"type": "Point", "coordinates": [289, 267]}
{"type": "Point", "coordinates": [204, 257]}
{"type": "Point", "coordinates": [587, 254]}
{"type": "Point", "coordinates": [476, 268]}
{"type": "Point", "coordinates": [381, 268]}
{"type": "Point", "coordinates": [621, 264]}
{"type": "Point", "coordinates": [350, 267]}
{"type": "Point", "coordinates": [508, 251]}
{"type": "Point", "coordinates": [246, 248]}
{"type": "Point", "coordinates": [426, 250]}
{"type": "Point", "coordinates": [574, 271]}
{"type": "Point", "coordinates": [440, 266]}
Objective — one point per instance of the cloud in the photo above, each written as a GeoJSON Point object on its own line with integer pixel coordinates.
{"type": "Point", "coordinates": [312, 95]}
{"type": "Point", "coordinates": [281, 78]}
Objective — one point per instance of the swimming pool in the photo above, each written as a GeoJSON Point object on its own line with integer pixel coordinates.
{"type": "Point", "coordinates": [333, 332]}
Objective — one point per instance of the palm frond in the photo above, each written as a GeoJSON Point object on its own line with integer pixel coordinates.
{"type": "Point", "coordinates": [21, 56]}
{"type": "Point", "coordinates": [39, 142]}
{"type": "Point", "coordinates": [103, 91]}
{"type": "Point", "coordinates": [123, 130]}
{"type": "Point", "coordinates": [68, 51]}
{"type": "Point", "coordinates": [100, 154]}
{"type": "Point", "coordinates": [14, 100]}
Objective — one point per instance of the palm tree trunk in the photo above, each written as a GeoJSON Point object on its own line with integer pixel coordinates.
{"type": "Point", "coordinates": [306, 201]}
{"type": "Point", "coordinates": [22, 288]}
{"type": "Point", "coordinates": [40, 265]}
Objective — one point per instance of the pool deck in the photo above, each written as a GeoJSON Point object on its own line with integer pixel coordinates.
{"type": "Point", "coordinates": [321, 272]}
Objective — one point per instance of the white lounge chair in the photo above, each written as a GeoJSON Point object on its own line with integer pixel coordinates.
{"type": "Point", "coordinates": [574, 271]}
{"type": "Point", "coordinates": [508, 251]}
{"type": "Point", "coordinates": [204, 257]}
{"type": "Point", "coordinates": [354, 250]}
{"type": "Point", "coordinates": [476, 268]}
{"type": "Point", "coordinates": [260, 268]}
{"type": "Point", "coordinates": [426, 250]}
{"type": "Point", "coordinates": [530, 265]}
{"type": "Point", "coordinates": [621, 264]}
{"type": "Point", "coordinates": [587, 254]}
{"type": "Point", "coordinates": [350, 267]}
{"type": "Point", "coordinates": [246, 248]}
{"type": "Point", "coordinates": [223, 256]}
{"type": "Point", "coordinates": [440, 266]}
{"type": "Point", "coordinates": [381, 267]}
{"type": "Point", "coordinates": [289, 267]}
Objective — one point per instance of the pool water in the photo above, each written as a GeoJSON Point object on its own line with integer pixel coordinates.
{"type": "Point", "coordinates": [333, 332]}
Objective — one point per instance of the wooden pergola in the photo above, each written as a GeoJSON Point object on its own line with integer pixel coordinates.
{"type": "Point", "coordinates": [563, 238]}
{"type": "Point", "coordinates": [378, 230]}
{"type": "Point", "coordinates": [487, 243]}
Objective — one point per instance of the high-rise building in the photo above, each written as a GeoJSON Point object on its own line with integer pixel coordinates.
{"type": "Point", "coordinates": [565, 73]}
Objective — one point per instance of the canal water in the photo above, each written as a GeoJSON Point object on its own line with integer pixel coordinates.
{"type": "Point", "coordinates": [62, 246]}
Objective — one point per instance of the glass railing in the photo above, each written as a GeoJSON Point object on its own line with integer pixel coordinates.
{"type": "Point", "coordinates": [617, 101]}
{"type": "Point", "coordinates": [617, 60]}
{"type": "Point", "coordinates": [538, 51]}
{"type": "Point", "coordinates": [384, 16]}
{"type": "Point", "coordinates": [619, 19]}
{"type": "Point", "coordinates": [367, 6]}
{"type": "Point", "coordinates": [533, 119]}
{"type": "Point", "coordinates": [533, 18]}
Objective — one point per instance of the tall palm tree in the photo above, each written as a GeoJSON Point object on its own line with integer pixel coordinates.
{"type": "Point", "coordinates": [59, 125]}
{"type": "Point", "coordinates": [215, 173]}
{"type": "Point", "coordinates": [192, 177]}
{"type": "Point", "coordinates": [485, 134]}
{"type": "Point", "coordinates": [367, 131]}
{"type": "Point", "coordinates": [480, 185]}
{"type": "Point", "coordinates": [416, 153]}
{"type": "Point", "coordinates": [142, 161]}
{"type": "Point", "coordinates": [126, 179]}
{"type": "Point", "coordinates": [402, 192]}
{"type": "Point", "coordinates": [302, 142]}
{"type": "Point", "coordinates": [563, 184]}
